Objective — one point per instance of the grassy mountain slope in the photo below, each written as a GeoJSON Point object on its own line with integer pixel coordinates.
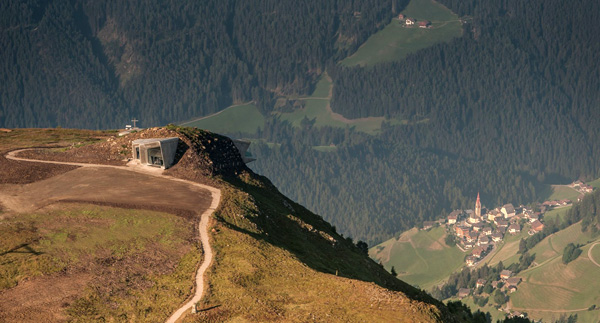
{"type": "Point", "coordinates": [280, 262]}
{"type": "Point", "coordinates": [83, 263]}
{"type": "Point", "coordinates": [420, 257]}
{"type": "Point", "coordinates": [274, 259]}
{"type": "Point", "coordinates": [552, 287]}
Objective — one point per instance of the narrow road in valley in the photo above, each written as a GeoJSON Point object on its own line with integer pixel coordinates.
{"type": "Point", "coordinates": [590, 254]}
{"type": "Point", "coordinates": [202, 226]}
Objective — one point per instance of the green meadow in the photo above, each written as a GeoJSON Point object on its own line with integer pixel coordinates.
{"type": "Point", "coordinates": [559, 213]}
{"type": "Point", "coordinates": [595, 183]}
{"type": "Point", "coordinates": [554, 288]}
{"type": "Point", "coordinates": [243, 118]}
{"type": "Point", "coordinates": [396, 41]}
{"type": "Point", "coordinates": [317, 108]}
{"type": "Point", "coordinates": [507, 250]}
{"type": "Point", "coordinates": [554, 244]}
{"type": "Point", "coordinates": [247, 119]}
{"type": "Point", "coordinates": [560, 192]}
{"type": "Point", "coordinates": [420, 257]}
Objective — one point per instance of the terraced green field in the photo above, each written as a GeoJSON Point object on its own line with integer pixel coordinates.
{"type": "Point", "coordinates": [396, 40]}
{"type": "Point", "coordinates": [420, 257]}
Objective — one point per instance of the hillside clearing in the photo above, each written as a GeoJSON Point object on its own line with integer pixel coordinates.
{"type": "Point", "coordinates": [247, 119]}
{"type": "Point", "coordinates": [241, 118]}
{"type": "Point", "coordinates": [420, 257]}
{"type": "Point", "coordinates": [552, 287]}
{"type": "Point", "coordinates": [595, 183]}
{"type": "Point", "coordinates": [557, 214]}
{"type": "Point", "coordinates": [317, 107]}
{"type": "Point", "coordinates": [396, 41]}
{"type": "Point", "coordinates": [594, 253]}
{"type": "Point", "coordinates": [561, 192]}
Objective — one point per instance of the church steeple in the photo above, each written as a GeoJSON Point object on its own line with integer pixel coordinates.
{"type": "Point", "coordinates": [478, 206]}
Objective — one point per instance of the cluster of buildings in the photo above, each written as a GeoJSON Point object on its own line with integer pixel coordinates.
{"type": "Point", "coordinates": [582, 188]}
{"type": "Point", "coordinates": [556, 203]}
{"type": "Point", "coordinates": [411, 22]}
{"type": "Point", "coordinates": [506, 283]}
{"type": "Point", "coordinates": [481, 229]}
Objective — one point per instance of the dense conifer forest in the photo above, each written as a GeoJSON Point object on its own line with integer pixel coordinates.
{"type": "Point", "coordinates": [521, 79]}
{"type": "Point", "coordinates": [96, 64]}
{"type": "Point", "coordinates": [508, 107]}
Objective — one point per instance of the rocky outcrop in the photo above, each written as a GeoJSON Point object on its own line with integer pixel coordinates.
{"type": "Point", "coordinates": [208, 154]}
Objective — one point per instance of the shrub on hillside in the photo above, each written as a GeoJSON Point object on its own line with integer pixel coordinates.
{"type": "Point", "coordinates": [570, 253]}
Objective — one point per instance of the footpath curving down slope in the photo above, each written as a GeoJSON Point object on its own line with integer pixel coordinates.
{"type": "Point", "coordinates": [202, 226]}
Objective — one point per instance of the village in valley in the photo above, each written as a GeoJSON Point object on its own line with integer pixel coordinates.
{"type": "Point", "coordinates": [479, 232]}
{"type": "Point", "coordinates": [481, 229]}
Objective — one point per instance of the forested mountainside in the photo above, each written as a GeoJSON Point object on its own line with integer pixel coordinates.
{"type": "Point", "coordinates": [372, 187]}
{"type": "Point", "coordinates": [507, 108]}
{"type": "Point", "coordinates": [518, 84]}
{"type": "Point", "coordinates": [97, 64]}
